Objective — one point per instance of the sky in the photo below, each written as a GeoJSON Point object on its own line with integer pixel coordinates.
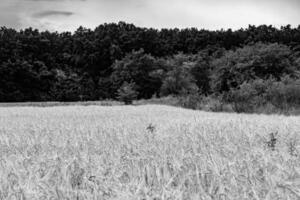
{"type": "Point", "coordinates": [68, 15]}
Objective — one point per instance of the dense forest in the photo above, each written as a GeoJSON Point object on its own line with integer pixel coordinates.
{"type": "Point", "coordinates": [246, 67]}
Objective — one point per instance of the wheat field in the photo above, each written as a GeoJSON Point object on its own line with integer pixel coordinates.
{"type": "Point", "coordinates": [147, 152]}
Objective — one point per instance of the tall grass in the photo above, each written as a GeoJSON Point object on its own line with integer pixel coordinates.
{"type": "Point", "coordinates": [146, 152]}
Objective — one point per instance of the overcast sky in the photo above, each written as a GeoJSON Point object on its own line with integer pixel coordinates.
{"type": "Point", "coordinates": [67, 15]}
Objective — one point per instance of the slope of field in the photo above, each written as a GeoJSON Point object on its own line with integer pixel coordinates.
{"type": "Point", "coordinates": [146, 152]}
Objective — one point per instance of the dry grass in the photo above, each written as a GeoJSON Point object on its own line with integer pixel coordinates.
{"type": "Point", "coordinates": [146, 152]}
{"type": "Point", "coordinates": [57, 103]}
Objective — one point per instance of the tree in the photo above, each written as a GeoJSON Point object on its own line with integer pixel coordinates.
{"type": "Point", "coordinates": [201, 72]}
{"type": "Point", "coordinates": [140, 68]}
{"type": "Point", "coordinates": [97, 62]}
{"type": "Point", "coordinates": [179, 81]}
{"type": "Point", "coordinates": [251, 62]}
{"type": "Point", "coordinates": [127, 93]}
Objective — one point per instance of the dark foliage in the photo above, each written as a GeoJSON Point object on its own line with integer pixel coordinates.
{"type": "Point", "coordinates": [127, 93]}
{"type": "Point", "coordinates": [283, 94]}
{"type": "Point", "coordinates": [94, 64]}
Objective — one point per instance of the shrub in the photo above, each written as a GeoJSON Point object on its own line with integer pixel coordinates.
{"type": "Point", "coordinates": [215, 104]}
{"type": "Point", "coordinates": [127, 93]}
{"type": "Point", "coordinates": [207, 103]}
{"type": "Point", "coordinates": [285, 94]}
{"type": "Point", "coordinates": [191, 101]}
{"type": "Point", "coordinates": [247, 97]}
{"type": "Point", "coordinates": [268, 95]}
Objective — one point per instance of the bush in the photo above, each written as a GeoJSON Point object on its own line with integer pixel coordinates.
{"type": "Point", "coordinates": [191, 101]}
{"type": "Point", "coordinates": [215, 104]}
{"type": "Point", "coordinates": [247, 97]}
{"type": "Point", "coordinates": [127, 93]}
{"type": "Point", "coordinates": [207, 103]}
{"type": "Point", "coordinates": [285, 94]}
{"type": "Point", "coordinates": [269, 95]}
{"type": "Point", "coordinates": [168, 100]}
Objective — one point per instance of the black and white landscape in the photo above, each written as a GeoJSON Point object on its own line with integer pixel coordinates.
{"type": "Point", "coordinates": [150, 99]}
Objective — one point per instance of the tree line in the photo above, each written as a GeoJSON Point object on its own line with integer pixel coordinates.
{"type": "Point", "coordinates": [120, 59]}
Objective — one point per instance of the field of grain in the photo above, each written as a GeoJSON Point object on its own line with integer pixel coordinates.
{"type": "Point", "coordinates": [146, 152]}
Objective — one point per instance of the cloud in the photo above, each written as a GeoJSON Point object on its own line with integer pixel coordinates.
{"type": "Point", "coordinates": [52, 13]}
{"type": "Point", "coordinates": [67, 15]}
{"type": "Point", "coordinates": [55, 0]}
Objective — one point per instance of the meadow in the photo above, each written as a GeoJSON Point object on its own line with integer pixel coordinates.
{"type": "Point", "coordinates": [147, 152]}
